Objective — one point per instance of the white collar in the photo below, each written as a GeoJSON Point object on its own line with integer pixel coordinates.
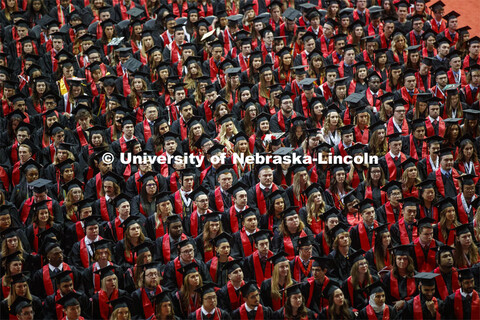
{"type": "Point", "coordinates": [392, 155]}
{"type": "Point", "coordinates": [52, 268]}
{"type": "Point", "coordinates": [207, 313]}
{"type": "Point", "coordinates": [431, 119]}
{"type": "Point", "coordinates": [263, 187]}
{"type": "Point", "coordinates": [239, 210]}
{"type": "Point", "coordinates": [461, 292]}
{"type": "Point", "coordinates": [248, 309]}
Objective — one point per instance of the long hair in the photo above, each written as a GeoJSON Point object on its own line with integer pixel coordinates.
{"type": "Point", "coordinates": [311, 214]}
{"type": "Point", "coordinates": [263, 86]}
{"type": "Point", "coordinates": [186, 292]}
{"type": "Point", "coordinates": [335, 242]}
{"type": "Point", "coordinates": [459, 255]}
{"type": "Point", "coordinates": [50, 217]}
{"type": "Point", "coordinates": [284, 70]}
{"type": "Point", "coordinates": [410, 267]}
{"type": "Point", "coordinates": [443, 225]}
{"type": "Point", "coordinates": [206, 235]}
{"type": "Point", "coordinates": [404, 178]}
{"type": "Point", "coordinates": [333, 310]}
{"type": "Point", "coordinates": [297, 187]}
{"type": "Point", "coordinates": [69, 207]}
{"type": "Point", "coordinates": [127, 242]}
{"type": "Point", "coordinates": [114, 315]}
{"type": "Point", "coordinates": [170, 316]}
{"type": "Point", "coordinates": [355, 275]}
{"type": "Point", "coordinates": [301, 312]}
{"type": "Point", "coordinates": [191, 82]}
{"type": "Point", "coordinates": [378, 251]}
{"type": "Point", "coordinates": [449, 107]}
{"type": "Point", "coordinates": [368, 179]}
{"type": "Point", "coordinates": [461, 155]}
{"type": "Point", "coordinates": [327, 123]}
{"type": "Point", "coordinates": [275, 288]}
{"type": "Point", "coordinates": [103, 282]}
{"type": "Point", "coordinates": [292, 135]}
{"type": "Point", "coordinates": [4, 249]}
{"type": "Point", "coordinates": [377, 147]}
{"type": "Point", "coordinates": [12, 296]}
{"type": "Point", "coordinates": [282, 228]}
{"type": "Point", "coordinates": [116, 190]}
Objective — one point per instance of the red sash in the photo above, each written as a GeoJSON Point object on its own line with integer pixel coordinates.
{"type": "Point", "coordinates": [147, 132]}
{"type": "Point", "coordinates": [413, 149]}
{"type": "Point", "coordinates": [404, 238]}
{"type": "Point", "coordinates": [103, 209]}
{"type": "Point", "coordinates": [458, 305]}
{"type": "Point", "coordinates": [431, 130]}
{"type": "Point", "coordinates": [166, 246]}
{"type": "Point", "coordinates": [391, 127]}
{"type": "Point", "coordinates": [392, 168]}
{"type": "Point", "coordinates": [233, 219]}
{"type": "Point", "coordinates": [103, 303]}
{"type": "Point", "coordinates": [369, 194]}
{"type": "Point", "coordinates": [148, 308]}
{"type": "Point", "coordinates": [442, 286]}
{"type": "Point", "coordinates": [394, 291]}
{"type": "Point", "coordinates": [322, 303]}
{"type": "Point", "coordinates": [159, 230]}
{"type": "Point", "coordinates": [281, 121]}
{"type": "Point", "coordinates": [372, 316]}
{"type": "Point", "coordinates": [81, 136]}
{"type": "Point", "coordinates": [260, 276]}
{"type": "Point", "coordinates": [214, 266]}
{"type": "Point", "coordinates": [84, 254]}
{"type": "Point", "coordinates": [299, 267]}
{"type": "Point", "coordinates": [246, 244]}
{"type": "Point", "coordinates": [451, 234]}
{"type": "Point", "coordinates": [261, 204]}
{"type": "Point", "coordinates": [417, 308]}
{"type": "Point", "coordinates": [362, 234]}
{"type": "Point", "coordinates": [357, 17]}
{"type": "Point", "coordinates": [288, 245]}
{"type": "Point", "coordinates": [219, 200]}
{"type": "Point", "coordinates": [439, 181]}
{"type": "Point", "coordinates": [258, 314]}
{"type": "Point", "coordinates": [424, 265]}
{"type": "Point", "coordinates": [234, 300]}
{"type": "Point", "coordinates": [47, 281]}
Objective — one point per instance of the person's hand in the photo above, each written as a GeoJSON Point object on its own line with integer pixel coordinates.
{"type": "Point", "coordinates": [399, 305]}
{"type": "Point", "coordinates": [431, 307]}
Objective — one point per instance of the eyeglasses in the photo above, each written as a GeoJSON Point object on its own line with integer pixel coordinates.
{"type": "Point", "coordinates": [151, 185]}
{"type": "Point", "coordinates": [187, 251]}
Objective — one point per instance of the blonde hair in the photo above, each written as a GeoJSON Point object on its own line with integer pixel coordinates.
{"type": "Point", "coordinates": [12, 296]}
{"type": "Point", "coordinates": [206, 235]}
{"type": "Point", "coordinates": [186, 291]}
{"type": "Point", "coordinates": [69, 207]}
{"type": "Point", "coordinates": [311, 214]}
{"type": "Point", "coordinates": [275, 290]}
{"type": "Point", "coordinates": [327, 124]}
{"type": "Point", "coordinates": [103, 282]}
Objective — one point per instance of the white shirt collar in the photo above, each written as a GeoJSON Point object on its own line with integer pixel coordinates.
{"type": "Point", "coordinates": [461, 292]}
{"type": "Point", "coordinates": [52, 268]}
{"type": "Point", "coordinates": [248, 309]}
{"type": "Point", "coordinates": [207, 313]}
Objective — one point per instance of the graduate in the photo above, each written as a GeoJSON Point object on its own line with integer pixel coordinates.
{"type": "Point", "coordinates": [463, 303]}
{"type": "Point", "coordinates": [209, 307]}
{"type": "Point", "coordinates": [230, 296]}
{"type": "Point", "coordinates": [252, 308]}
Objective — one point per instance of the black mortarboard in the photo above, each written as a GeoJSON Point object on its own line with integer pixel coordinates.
{"type": "Point", "coordinates": [111, 176]}
{"type": "Point", "coordinates": [40, 185]}
{"type": "Point", "coordinates": [376, 287]}
{"type": "Point", "coordinates": [15, 256]}
{"type": "Point", "coordinates": [365, 204]}
{"type": "Point", "coordinates": [129, 221]}
{"type": "Point", "coordinates": [63, 276]}
{"type": "Point", "coordinates": [71, 299]}
{"type": "Point", "coordinates": [463, 229]}
{"type": "Point", "coordinates": [339, 229]}
{"type": "Point", "coordinates": [249, 287]}
{"type": "Point", "coordinates": [426, 222]}
{"type": "Point", "coordinates": [464, 274]}
{"type": "Point", "coordinates": [277, 258]}
{"type": "Point", "coordinates": [391, 186]}
{"type": "Point", "coordinates": [19, 303]}
{"type": "Point", "coordinates": [189, 268]}
{"type": "Point", "coordinates": [357, 256]}
{"type": "Point", "coordinates": [402, 250]}
{"type": "Point", "coordinates": [247, 213]}
{"type": "Point", "coordinates": [410, 202]}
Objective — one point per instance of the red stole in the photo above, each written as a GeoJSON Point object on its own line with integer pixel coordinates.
{"type": "Point", "coordinates": [362, 234]}
{"type": "Point", "coordinates": [288, 245]}
{"type": "Point", "coordinates": [437, 28]}
{"type": "Point", "coordinates": [458, 305]}
{"type": "Point", "coordinates": [234, 219]}
{"type": "Point", "coordinates": [176, 11]}
{"type": "Point", "coordinates": [413, 149]}
{"type": "Point", "coordinates": [431, 130]}
{"type": "Point", "coordinates": [242, 62]}
{"type": "Point", "coordinates": [234, 300]}
{"type": "Point", "coordinates": [421, 85]}
{"type": "Point", "coordinates": [260, 275]}
{"type": "Point", "coordinates": [417, 308]}
{"type": "Point", "coordinates": [104, 209]}
{"type": "Point", "coordinates": [462, 214]}
{"type": "Point", "coordinates": [299, 267]}
{"type": "Point", "coordinates": [394, 291]}
{"type": "Point", "coordinates": [391, 127]}
{"type": "Point", "coordinates": [322, 303]}
{"type": "Point", "coordinates": [469, 98]}
{"type": "Point", "coordinates": [103, 303]}
{"type": "Point", "coordinates": [372, 316]}
{"type": "Point", "coordinates": [258, 314]}
{"type": "Point", "coordinates": [261, 204]}
{"type": "Point", "coordinates": [147, 132]}
{"type": "Point", "coordinates": [369, 194]}
{"type": "Point", "coordinates": [166, 246]}
{"type": "Point", "coordinates": [84, 254]}
{"type": "Point", "coordinates": [392, 168]}
{"type": "Point", "coordinates": [357, 17]}
{"type": "Point", "coordinates": [214, 267]}
{"type": "Point", "coordinates": [47, 281]}
{"type": "Point", "coordinates": [428, 264]}
{"type": "Point", "coordinates": [148, 308]}
{"type": "Point", "coordinates": [361, 137]}
{"type": "Point", "coordinates": [442, 287]}
{"type": "Point", "coordinates": [246, 243]}
{"type": "Point", "coordinates": [404, 238]}
{"type": "Point", "coordinates": [439, 181]}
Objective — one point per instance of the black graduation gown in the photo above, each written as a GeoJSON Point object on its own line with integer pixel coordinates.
{"type": "Point", "coordinates": [278, 243]}
{"type": "Point", "coordinates": [224, 315]}
{"type": "Point", "coordinates": [384, 166]}
{"type": "Point", "coordinates": [36, 304]}
{"type": "Point", "coordinates": [450, 190]}
{"type": "Point", "coordinates": [355, 236]}
{"type": "Point", "coordinates": [249, 268]}
{"type": "Point", "coordinates": [265, 293]}
{"type": "Point", "coordinates": [137, 310]}
{"type": "Point", "coordinates": [38, 288]}
{"type": "Point", "coordinates": [407, 312]}
{"type": "Point", "coordinates": [381, 214]}
{"type": "Point", "coordinates": [110, 209]}
{"type": "Point", "coordinates": [221, 274]}
{"type": "Point", "coordinates": [279, 314]}
{"type": "Point", "coordinates": [237, 249]}
{"type": "Point", "coordinates": [227, 199]}
{"type": "Point", "coordinates": [150, 227]}
{"type": "Point", "coordinates": [88, 279]}
{"type": "Point", "coordinates": [267, 314]}
{"type": "Point", "coordinates": [396, 235]}
{"type": "Point", "coordinates": [402, 289]}
{"type": "Point", "coordinates": [49, 306]}
{"type": "Point", "coordinates": [362, 314]}
{"type": "Point", "coordinates": [95, 303]}
{"type": "Point", "coordinates": [169, 275]}
{"type": "Point", "coordinates": [448, 310]}
{"type": "Point", "coordinates": [376, 194]}
{"type": "Point", "coordinates": [227, 303]}
{"type": "Point", "coordinates": [158, 255]}
{"type": "Point", "coordinates": [341, 266]}
{"type": "Point", "coordinates": [318, 300]}
{"type": "Point", "coordinates": [324, 314]}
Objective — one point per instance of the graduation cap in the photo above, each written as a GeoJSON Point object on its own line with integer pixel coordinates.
{"type": "Point", "coordinates": [425, 223]}
{"type": "Point", "coordinates": [206, 288]}
{"type": "Point", "coordinates": [365, 204]}
{"type": "Point", "coordinates": [471, 114]}
{"type": "Point", "coordinates": [132, 65]}
{"type": "Point", "coordinates": [330, 289]}
{"type": "Point", "coordinates": [465, 274]}
{"type": "Point", "coordinates": [382, 228]}
{"type": "Point", "coordinates": [19, 304]}
{"type": "Point", "coordinates": [391, 186]}
{"type": "Point", "coordinates": [304, 242]}
{"type": "Point", "coordinates": [445, 152]}
{"type": "Point", "coordinates": [378, 125]}
{"type": "Point", "coordinates": [402, 250]}
{"type": "Point", "coordinates": [262, 234]}
{"type": "Point", "coordinates": [322, 262]}
{"type": "Point", "coordinates": [101, 244]}
{"type": "Point", "coordinates": [356, 148]}
{"type": "Point", "coordinates": [111, 176]}
{"type": "Point", "coordinates": [106, 271]}
{"type": "Point", "coordinates": [173, 218]}
{"type": "Point", "coordinates": [249, 287]}
{"type": "Point", "coordinates": [357, 256]}
{"type": "Point", "coordinates": [247, 213]}
{"type": "Point", "coordinates": [463, 229]}
{"type": "Point", "coordinates": [40, 185]}
{"type": "Point", "coordinates": [237, 187]}
{"type": "Point", "coordinates": [426, 184]}
{"type": "Point", "coordinates": [70, 299]}
{"type": "Point", "coordinates": [467, 179]}
{"type": "Point", "coordinates": [426, 278]}
{"type": "Point", "coordinates": [311, 189]}
{"type": "Point", "coordinates": [473, 40]}
{"type": "Point", "coordinates": [347, 129]}
{"type": "Point", "coordinates": [299, 70]}
{"type": "Point", "coordinates": [10, 232]}
{"type": "Point", "coordinates": [15, 256]}
{"type": "Point", "coordinates": [63, 276]}
{"type": "Point", "coordinates": [277, 258]}
{"type": "Point", "coordinates": [124, 301]}
{"type": "Point", "coordinates": [376, 287]}
{"type": "Point", "coordinates": [121, 198]}
{"type": "Point", "coordinates": [410, 202]}
{"type": "Point", "coordinates": [222, 237]}
{"type": "Point", "coordinates": [131, 220]}
{"type": "Point", "coordinates": [189, 268]}
{"type": "Point", "coordinates": [290, 211]}
{"type": "Point", "coordinates": [338, 229]}
{"type": "Point", "coordinates": [451, 15]}
{"type": "Point", "coordinates": [394, 137]}
{"type": "Point", "coordinates": [291, 14]}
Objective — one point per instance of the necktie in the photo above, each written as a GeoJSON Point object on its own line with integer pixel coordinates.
{"type": "Point", "coordinates": [374, 99]}
{"type": "Point", "coordinates": [435, 122]}
{"type": "Point", "coordinates": [395, 159]}
{"type": "Point", "coordinates": [267, 189]}
{"type": "Point", "coordinates": [263, 259]}
{"type": "Point", "coordinates": [209, 316]}
{"type": "Point", "coordinates": [469, 299]}
{"type": "Point", "coordinates": [56, 271]}
{"type": "Point", "coordinates": [447, 174]}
